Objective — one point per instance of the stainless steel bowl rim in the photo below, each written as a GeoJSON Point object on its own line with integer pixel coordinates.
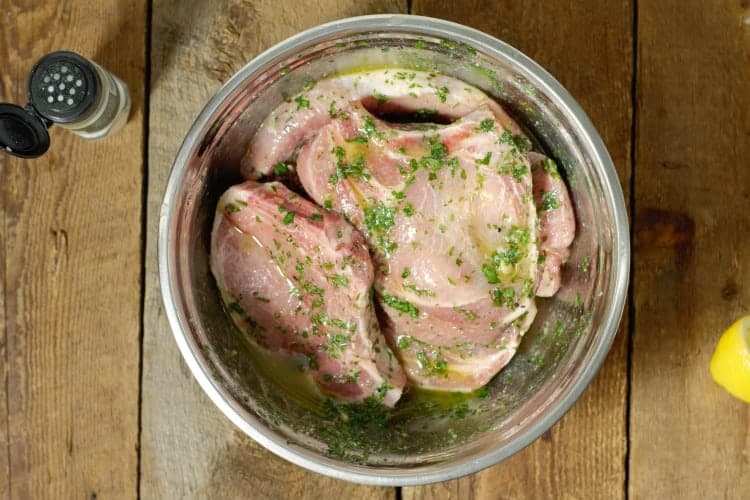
{"type": "Point", "coordinates": [383, 476]}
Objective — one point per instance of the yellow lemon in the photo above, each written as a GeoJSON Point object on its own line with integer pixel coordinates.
{"type": "Point", "coordinates": [730, 364]}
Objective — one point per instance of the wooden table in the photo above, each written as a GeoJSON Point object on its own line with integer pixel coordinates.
{"type": "Point", "coordinates": [95, 399]}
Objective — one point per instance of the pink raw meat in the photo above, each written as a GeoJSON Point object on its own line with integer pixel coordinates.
{"type": "Point", "coordinates": [297, 280]}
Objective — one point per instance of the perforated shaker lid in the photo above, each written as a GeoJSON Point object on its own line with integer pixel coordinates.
{"type": "Point", "coordinates": [63, 86]}
{"type": "Point", "coordinates": [22, 132]}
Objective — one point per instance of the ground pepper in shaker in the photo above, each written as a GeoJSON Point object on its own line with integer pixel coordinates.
{"type": "Point", "coordinates": [67, 89]}
{"type": "Point", "coordinates": [79, 95]}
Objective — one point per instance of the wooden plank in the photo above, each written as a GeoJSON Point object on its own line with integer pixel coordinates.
{"type": "Point", "coordinates": [4, 437]}
{"type": "Point", "coordinates": [189, 449]}
{"type": "Point", "coordinates": [689, 438]}
{"type": "Point", "coordinates": [72, 262]}
{"type": "Point", "coordinates": [587, 46]}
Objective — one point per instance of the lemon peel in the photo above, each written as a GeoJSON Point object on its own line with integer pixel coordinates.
{"type": "Point", "coordinates": [730, 363]}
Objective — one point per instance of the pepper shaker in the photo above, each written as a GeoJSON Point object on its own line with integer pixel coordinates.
{"type": "Point", "coordinates": [71, 91]}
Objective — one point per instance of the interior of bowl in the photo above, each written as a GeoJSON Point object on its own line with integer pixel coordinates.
{"type": "Point", "coordinates": [424, 439]}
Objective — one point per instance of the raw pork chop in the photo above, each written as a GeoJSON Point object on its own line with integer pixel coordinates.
{"type": "Point", "coordinates": [383, 91]}
{"type": "Point", "coordinates": [297, 280]}
{"type": "Point", "coordinates": [557, 223]}
{"type": "Point", "coordinates": [449, 215]}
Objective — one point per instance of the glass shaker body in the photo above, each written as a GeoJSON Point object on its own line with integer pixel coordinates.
{"type": "Point", "coordinates": [110, 111]}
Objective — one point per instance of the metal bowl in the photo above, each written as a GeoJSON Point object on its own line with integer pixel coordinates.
{"type": "Point", "coordinates": [424, 442]}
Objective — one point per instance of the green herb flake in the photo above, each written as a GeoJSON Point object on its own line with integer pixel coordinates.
{"type": "Point", "coordinates": [584, 264]}
{"type": "Point", "coordinates": [421, 292]}
{"type": "Point", "coordinates": [281, 168]}
{"type": "Point", "coordinates": [448, 44]}
{"type": "Point", "coordinates": [231, 208]}
{"type": "Point", "coordinates": [288, 218]}
{"type": "Point", "coordinates": [401, 305]}
{"type": "Point", "coordinates": [408, 209]}
{"type": "Point", "coordinates": [453, 164]}
{"type": "Point", "coordinates": [486, 125]}
{"type": "Point", "coordinates": [441, 367]}
{"type": "Point", "coordinates": [333, 113]}
{"type": "Point", "coordinates": [317, 217]}
{"type": "Point", "coordinates": [339, 323]}
{"type": "Point", "coordinates": [490, 273]}
{"type": "Point", "coordinates": [423, 360]}
{"type": "Point", "coordinates": [485, 160]}
{"type": "Point", "coordinates": [518, 238]}
{"type": "Point", "coordinates": [380, 98]}
{"type": "Point", "coordinates": [360, 139]}
{"type": "Point", "coordinates": [578, 303]}
{"type": "Point", "coordinates": [424, 113]}
{"type": "Point", "coordinates": [302, 102]}
{"type": "Point", "coordinates": [519, 235]}
{"type": "Point", "coordinates": [442, 93]}
{"type": "Point", "coordinates": [355, 169]}
{"type": "Point", "coordinates": [236, 308]}
{"type": "Point", "coordinates": [336, 344]}
{"type": "Point", "coordinates": [309, 84]}
{"type": "Point", "coordinates": [312, 289]}
{"type": "Point", "coordinates": [549, 201]}
{"type": "Point", "coordinates": [406, 273]}
{"type": "Point", "coordinates": [551, 168]}
{"type": "Point", "coordinates": [522, 143]}
{"type": "Point", "coordinates": [503, 297]}
{"type": "Point", "coordinates": [369, 128]}
{"type": "Point", "coordinates": [338, 280]}
{"type": "Point", "coordinates": [542, 257]}
{"type": "Point", "coordinates": [300, 268]}
{"type": "Point", "coordinates": [517, 171]}
{"type": "Point", "coordinates": [379, 218]}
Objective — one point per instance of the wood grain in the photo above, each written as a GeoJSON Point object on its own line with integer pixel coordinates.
{"type": "Point", "coordinates": [71, 235]}
{"type": "Point", "coordinates": [689, 438]}
{"type": "Point", "coordinates": [588, 47]}
{"type": "Point", "coordinates": [189, 449]}
{"type": "Point", "coordinates": [4, 417]}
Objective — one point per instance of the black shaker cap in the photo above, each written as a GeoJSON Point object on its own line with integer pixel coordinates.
{"type": "Point", "coordinates": [22, 132]}
{"type": "Point", "coordinates": [63, 86]}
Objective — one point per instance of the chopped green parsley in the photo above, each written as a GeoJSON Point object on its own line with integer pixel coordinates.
{"type": "Point", "coordinates": [281, 168]}
{"type": "Point", "coordinates": [401, 305]}
{"type": "Point", "coordinates": [486, 125]}
{"type": "Point", "coordinates": [338, 280]}
{"type": "Point", "coordinates": [485, 160]}
{"type": "Point", "coordinates": [302, 102]}
{"type": "Point", "coordinates": [442, 93]}
{"type": "Point", "coordinates": [503, 297]}
{"type": "Point", "coordinates": [549, 201]}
